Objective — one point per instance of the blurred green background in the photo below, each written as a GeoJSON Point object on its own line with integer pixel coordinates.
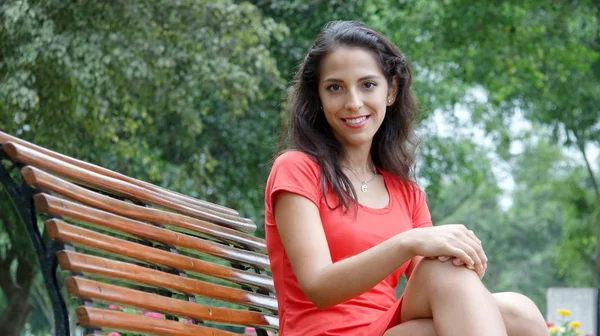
{"type": "Point", "coordinates": [189, 95]}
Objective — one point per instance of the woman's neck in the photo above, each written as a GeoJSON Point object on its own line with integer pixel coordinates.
{"type": "Point", "coordinates": [359, 161]}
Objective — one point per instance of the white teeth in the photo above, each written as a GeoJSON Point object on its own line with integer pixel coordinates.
{"type": "Point", "coordinates": [356, 121]}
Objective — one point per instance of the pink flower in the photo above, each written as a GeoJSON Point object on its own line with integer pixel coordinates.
{"type": "Point", "coordinates": [154, 314]}
{"type": "Point", "coordinates": [114, 333]}
{"type": "Point", "coordinates": [252, 331]}
{"type": "Point", "coordinates": [115, 307]}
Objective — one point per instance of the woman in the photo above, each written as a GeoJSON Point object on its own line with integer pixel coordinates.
{"type": "Point", "coordinates": [344, 221]}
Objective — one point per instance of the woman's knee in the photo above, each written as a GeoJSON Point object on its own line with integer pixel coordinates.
{"type": "Point", "coordinates": [444, 275]}
{"type": "Point", "coordinates": [436, 267]}
{"type": "Point", "coordinates": [521, 315]}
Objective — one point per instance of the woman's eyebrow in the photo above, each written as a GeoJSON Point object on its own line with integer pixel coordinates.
{"type": "Point", "coordinates": [337, 80]}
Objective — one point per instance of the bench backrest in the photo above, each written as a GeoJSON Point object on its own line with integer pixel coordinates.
{"type": "Point", "coordinates": [139, 257]}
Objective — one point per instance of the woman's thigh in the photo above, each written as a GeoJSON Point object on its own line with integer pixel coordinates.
{"type": "Point", "coordinates": [432, 280]}
{"type": "Point", "coordinates": [521, 317]}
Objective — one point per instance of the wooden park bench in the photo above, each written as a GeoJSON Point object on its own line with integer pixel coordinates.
{"type": "Point", "coordinates": [128, 249]}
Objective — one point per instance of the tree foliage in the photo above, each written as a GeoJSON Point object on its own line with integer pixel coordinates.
{"type": "Point", "coordinates": [189, 95]}
{"type": "Point", "coordinates": [537, 58]}
{"type": "Point", "coordinates": [133, 87]}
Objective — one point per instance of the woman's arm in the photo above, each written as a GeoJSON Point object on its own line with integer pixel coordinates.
{"type": "Point", "coordinates": [326, 283]}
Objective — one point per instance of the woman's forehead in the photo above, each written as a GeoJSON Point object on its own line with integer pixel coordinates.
{"type": "Point", "coordinates": [345, 63]}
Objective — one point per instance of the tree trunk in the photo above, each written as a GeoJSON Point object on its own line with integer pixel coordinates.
{"type": "Point", "coordinates": [16, 314]}
{"type": "Point", "coordinates": [581, 146]}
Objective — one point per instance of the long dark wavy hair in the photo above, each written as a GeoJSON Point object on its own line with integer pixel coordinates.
{"type": "Point", "coordinates": [393, 148]}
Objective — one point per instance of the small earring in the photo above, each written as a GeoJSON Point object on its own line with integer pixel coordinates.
{"type": "Point", "coordinates": [390, 100]}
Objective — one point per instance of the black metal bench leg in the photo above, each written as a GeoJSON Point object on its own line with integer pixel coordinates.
{"type": "Point", "coordinates": [23, 198]}
{"type": "Point", "coordinates": [61, 315]}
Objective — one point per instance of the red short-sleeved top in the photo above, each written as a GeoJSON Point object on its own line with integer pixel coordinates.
{"type": "Point", "coordinates": [348, 234]}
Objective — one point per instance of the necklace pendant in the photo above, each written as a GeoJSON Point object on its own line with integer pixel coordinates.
{"type": "Point", "coordinates": [363, 187]}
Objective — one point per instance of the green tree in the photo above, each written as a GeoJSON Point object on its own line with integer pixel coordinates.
{"type": "Point", "coordinates": [537, 58]}
{"type": "Point", "coordinates": [132, 87]}
{"type": "Point", "coordinates": [189, 95]}
{"type": "Point", "coordinates": [524, 242]}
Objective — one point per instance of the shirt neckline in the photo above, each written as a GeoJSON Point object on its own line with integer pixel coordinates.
{"type": "Point", "coordinates": [386, 208]}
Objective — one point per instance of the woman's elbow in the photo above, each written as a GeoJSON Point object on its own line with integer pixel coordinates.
{"type": "Point", "coordinates": [318, 289]}
{"type": "Point", "coordinates": [318, 296]}
{"type": "Point", "coordinates": [321, 303]}
{"type": "Point", "coordinates": [315, 295]}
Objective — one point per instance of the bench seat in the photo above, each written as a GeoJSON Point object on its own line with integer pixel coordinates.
{"type": "Point", "coordinates": [135, 257]}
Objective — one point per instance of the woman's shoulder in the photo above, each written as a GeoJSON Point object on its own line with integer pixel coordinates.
{"type": "Point", "coordinates": [406, 187]}
{"type": "Point", "coordinates": [295, 158]}
{"type": "Point", "coordinates": [296, 172]}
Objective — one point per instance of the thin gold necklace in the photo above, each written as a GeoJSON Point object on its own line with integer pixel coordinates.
{"type": "Point", "coordinates": [363, 184]}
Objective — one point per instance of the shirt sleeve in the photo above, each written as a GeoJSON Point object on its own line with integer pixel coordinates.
{"type": "Point", "coordinates": [297, 173]}
{"type": "Point", "coordinates": [421, 215]}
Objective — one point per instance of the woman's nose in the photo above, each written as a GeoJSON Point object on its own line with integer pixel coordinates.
{"type": "Point", "coordinates": [353, 101]}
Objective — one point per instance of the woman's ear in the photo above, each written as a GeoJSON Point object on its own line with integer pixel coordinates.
{"type": "Point", "coordinates": [392, 91]}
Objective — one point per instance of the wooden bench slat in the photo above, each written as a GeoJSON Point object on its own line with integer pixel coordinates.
{"type": "Point", "coordinates": [102, 318]}
{"type": "Point", "coordinates": [64, 208]}
{"type": "Point", "coordinates": [59, 230]}
{"type": "Point", "coordinates": [45, 181]}
{"type": "Point", "coordinates": [200, 204]}
{"type": "Point", "coordinates": [79, 262]}
{"type": "Point", "coordinates": [142, 246]}
{"type": "Point", "coordinates": [107, 293]}
{"type": "Point", "coordinates": [31, 157]}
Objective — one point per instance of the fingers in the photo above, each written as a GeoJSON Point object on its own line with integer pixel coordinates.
{"type": "Point", "coordinates": [471, 234]}
{"type": "Point", "coordinates": [476, 252]}
{"type": "Point", "coordinates": [460, 252]}
{"type": "Point", "coordinates": [475, 262]}
{"type": "Point", "coordinates": [454, 242]}
{"type": "Point", "coordinates": [479, 247]}
{"type": "Point", "coordinates": [457, 262]}
{"type": "Point", "coordinates": [468, 237]}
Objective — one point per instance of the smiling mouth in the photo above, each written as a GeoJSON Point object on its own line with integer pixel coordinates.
{"type": "Point", "coordinates": [355, 121]}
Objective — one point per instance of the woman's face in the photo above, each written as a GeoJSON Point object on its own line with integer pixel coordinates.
{"type": "Point", "coordinates": [354, 93]}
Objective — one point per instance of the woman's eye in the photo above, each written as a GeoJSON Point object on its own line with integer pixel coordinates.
{"type": "Point", "coordinates": [369, 85]}
{"type": "Point", "coordinates": [334, 87]}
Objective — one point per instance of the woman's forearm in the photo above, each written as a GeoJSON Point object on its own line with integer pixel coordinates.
{"type": "Point", "coordinates": [353, 276]}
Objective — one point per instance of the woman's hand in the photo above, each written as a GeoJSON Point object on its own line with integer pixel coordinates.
{"type": "Point", "coordinates": [458, 262]}
{"type": "Point", "coordinates": [452, 240]}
